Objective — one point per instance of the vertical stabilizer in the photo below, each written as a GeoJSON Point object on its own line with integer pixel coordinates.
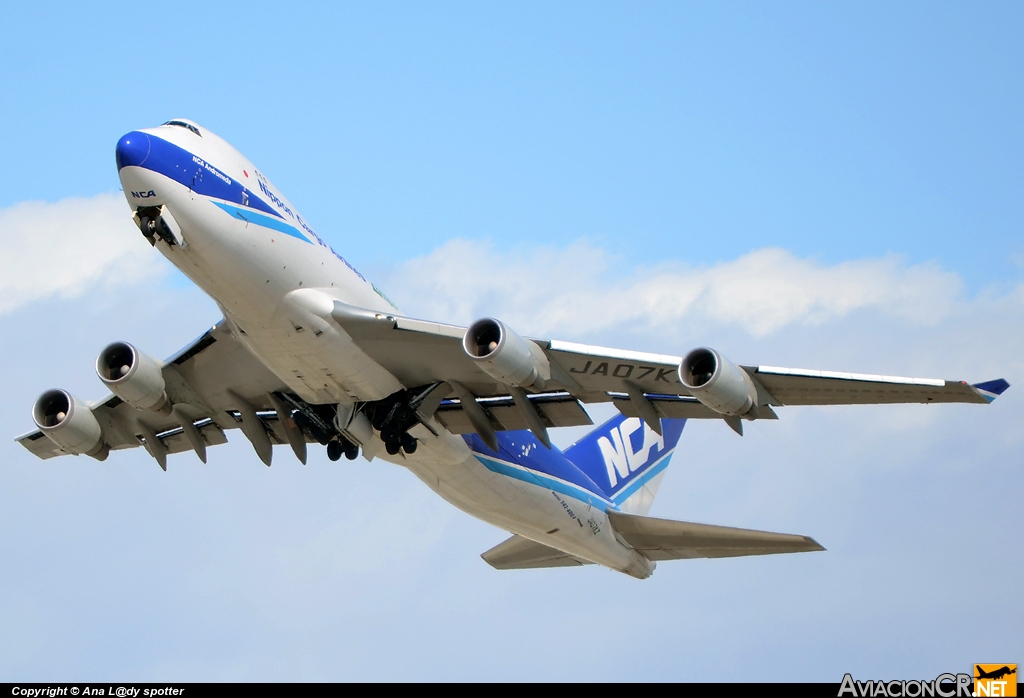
{"type": "Point", "coordinates": [627, 459]}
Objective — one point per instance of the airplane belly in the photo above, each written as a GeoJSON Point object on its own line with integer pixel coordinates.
{"type": "Point", "coordinates": [318, 362]}
{"type": "Point", "coordinates": [533, 511]}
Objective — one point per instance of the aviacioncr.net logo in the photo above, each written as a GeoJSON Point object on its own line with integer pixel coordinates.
{"type": "Point", "coordinates": [942, 686]}
{"type": "Point", "coordinates": [995, 680]}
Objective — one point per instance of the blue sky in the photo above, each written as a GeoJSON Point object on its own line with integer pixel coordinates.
{"type": "Point", "coordinates": [834, 131]}
{"type": "Point", "coordinates": [830, 186]}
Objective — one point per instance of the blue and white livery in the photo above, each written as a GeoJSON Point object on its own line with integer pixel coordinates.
{"type": "Point", "coordinates": [310, 352]}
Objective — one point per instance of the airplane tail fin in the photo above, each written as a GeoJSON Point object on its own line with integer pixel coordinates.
{"type": "Point", "coordinates": [627, 459]}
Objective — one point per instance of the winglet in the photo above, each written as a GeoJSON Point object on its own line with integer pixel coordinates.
{"type": "Point", "coordinates": [990, 390]}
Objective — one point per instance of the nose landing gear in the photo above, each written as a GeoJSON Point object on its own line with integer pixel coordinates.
{"type": "Point", "coordinates": [156, 222]}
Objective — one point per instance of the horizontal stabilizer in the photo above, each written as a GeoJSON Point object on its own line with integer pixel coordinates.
{"type": "Point", "coordinates": [518, 553]}
{"type": "Point", "coordinates": [662, 539]}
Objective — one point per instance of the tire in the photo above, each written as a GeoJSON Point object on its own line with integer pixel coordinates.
{"type": "Point", "coordinates": [352, 452]}
{"type": "Point", "coordinates": [393, 447]}
{"type": "Point", "coordinates": [334, 450]}
{"type": "Point", "coordinates": [146, 226]}
{"type": "Point", "coordinates": [409, 443]}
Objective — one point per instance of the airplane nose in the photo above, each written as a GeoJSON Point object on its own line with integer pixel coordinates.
{"type": "Point", "coordinates": [132, 149]}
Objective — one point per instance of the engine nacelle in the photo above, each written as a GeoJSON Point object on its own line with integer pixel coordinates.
{"type": "Point", "coordinates": [69, 423]}
{"type": "Point", "coordinates": [505, 356]}
{"type": "Point", "coordinates": [133, 376]}
{"type": "Point", "coordinates": [718, 383]}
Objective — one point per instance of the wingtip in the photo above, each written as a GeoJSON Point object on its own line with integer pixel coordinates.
{"type": "Point", "coordinates": [990, 390]}
{"type": "Point", "coordinates": [813, 545]}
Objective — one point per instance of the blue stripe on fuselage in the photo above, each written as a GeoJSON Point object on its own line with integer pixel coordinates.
{"type": "Point", "coordinates": [174, 162]}
{"type": "Point", "coordinates": [537, 465]}
{"type": "Point", "coordinates": [250, 216]}
{"type": "Point", "coordinates": [535, 478]}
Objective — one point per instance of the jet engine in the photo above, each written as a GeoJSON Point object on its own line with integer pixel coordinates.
{"type": "Point", "coordinates": [133, 376]}
{"type": "Point", "coordinates": [69, 423]}
{"type": "Point", "coordinates": [505, 356]}
{"type": "Point", "coordinates": [718, 383]}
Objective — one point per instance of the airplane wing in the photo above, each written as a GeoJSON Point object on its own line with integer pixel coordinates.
{"type": "Point", "coordinates": [214, 383]}
{"type": "Point", "coordinates": [418, 352]}
{"type": "Point", "coordinates": [663, 539]}
{"type": "Point", "coordinates": [518, 553]}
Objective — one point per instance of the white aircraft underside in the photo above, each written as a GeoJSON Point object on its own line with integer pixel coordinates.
{"type": "Point", "coordinates": [309, 351]}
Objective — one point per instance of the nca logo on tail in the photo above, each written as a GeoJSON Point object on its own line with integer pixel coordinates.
{"type": "Point", "coordinates": [618, 452]}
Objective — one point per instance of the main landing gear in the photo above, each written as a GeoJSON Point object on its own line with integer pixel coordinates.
{"type": "Point", "coordinates": [318, 421]}
{"type": "Point", "coordinates": [340, 445]}
{"type": "Point", "coordinates": [393, 417]}
{"type": "Point", "coordinates": [405, 442]}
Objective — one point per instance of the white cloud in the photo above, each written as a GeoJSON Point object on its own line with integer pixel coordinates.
{"type": "Point", "coordinates": [244, 572]}
{"type": "Point", "coordinates": [572, 291]}
{"type": "Point", "coordinates": [64, 248]}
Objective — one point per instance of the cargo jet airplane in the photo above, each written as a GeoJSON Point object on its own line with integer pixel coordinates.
{"type": "Point", "coordinates": [309, 351]}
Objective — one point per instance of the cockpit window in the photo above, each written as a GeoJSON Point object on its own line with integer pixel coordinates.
{"type": "Point", "coordinates": [190, 127]}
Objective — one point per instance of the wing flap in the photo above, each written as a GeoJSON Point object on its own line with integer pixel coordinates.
{"type": "Point", "coordinates": [676, 407]}
{"type": "Point", "coordinates": [519, 553]}
{"type": "Point", "coordinates": [37, 443]}
{"type": "Point", "coordinates": [176, 442]}
{"type": "Point", "coordinates": [663, 539]}
{"type": "Point", "coordinates": [557, 410]}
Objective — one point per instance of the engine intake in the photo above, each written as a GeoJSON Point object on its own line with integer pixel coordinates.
{"type": "Point", "coordinates": [718, 383]}
{"type": "Point", "coordinates": [133, 376]}
{"type": "Point", "coordinates": [505, 356]}
{"type": "Point", "coordinates": [69, 423]}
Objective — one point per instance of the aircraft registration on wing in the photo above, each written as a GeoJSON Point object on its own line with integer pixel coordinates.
{"type": "Point", "coordinates": [310, 352]}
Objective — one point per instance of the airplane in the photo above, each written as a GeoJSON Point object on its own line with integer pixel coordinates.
{"type": "Point", "coordinates": [995, 674]}
{"type": "Point", "coordinates": [310, 352]}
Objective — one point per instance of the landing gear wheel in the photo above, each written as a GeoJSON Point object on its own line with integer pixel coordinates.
{"type": "Point", "coordinates": [334, 450]}
{"type": "Point", "coordinates": [352, 452]}
{"type": "Point", "coordinates": [393, 447]}
{"type": "Point", "coordinates": [146, 226]}
{"type": "Point", "coordinates": [409, 443]}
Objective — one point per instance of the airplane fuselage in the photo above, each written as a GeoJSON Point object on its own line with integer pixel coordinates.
{"type": "Point", "coordinates": [245, 245]}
